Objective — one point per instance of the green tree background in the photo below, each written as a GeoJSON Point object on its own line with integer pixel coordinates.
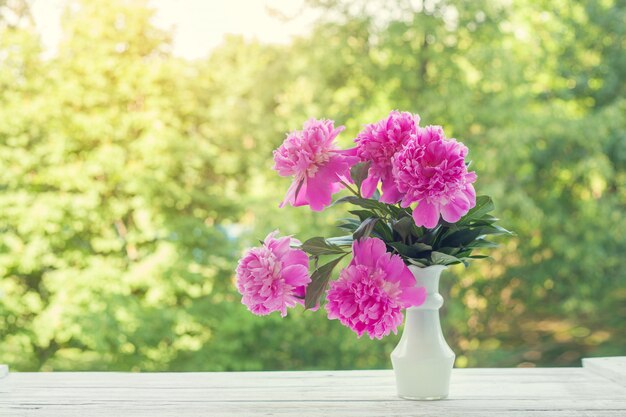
{"type": "Point", "coordinates": [131, 180]}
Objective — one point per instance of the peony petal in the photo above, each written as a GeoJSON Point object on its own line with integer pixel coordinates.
{"type": "Point", "coordinates": [426, 214]}
{"type": "Point", "coordinates": [394, 268]}
{"type": "Point", "coordinates": [470, 193]}
{"type": "Point", "coordinates": [296, 275]}
{"type": "Point", "coordinates": [337, 167]}
{"type": "Point", "coordinates": [391, 194]}
{"type": "Point", "coordinates": [406, 202]}
{"type": "Point", "coordinates": [406, 279]}
{"type": "Point", "coordinates": [296, 256]}
{"type": "Point", "coordinates": [318, 193]}
{"type": "Point", "coordinates": [272, 277]}
{"type": "Point", "coordinates": [367, 251]}
{"type": "Point", "coordinates": [431, 168]}
{"type": "Point", "coordinates": [300, 292]}
{"type": "Point", "coordinates": [301, 156]}
{"type": "Point", "coordinates": [455, 209]}
{"type": "Point", "coordinates": [378, 142]}
{"type": "Point", "coordinates": [348, 157]}
{"type": "Point", "coordinates": [290, 196]}
{"type": "Point", "coordinates": [369, 185]}
{"type": "Point", "coordinates": [279, 246]}
{"type": "Point", "coordinates": [413, 297]}
{"type": "Point", "coordinates": [301, 198]}
{"type": "Point", "coordinates": [470, 177]}
{"type": "Point", "coordinates": [370, 293]}
{"type": "Point", "coordinates": [325, 182]}
{"type": "Point", "coordinates": [294, 199]}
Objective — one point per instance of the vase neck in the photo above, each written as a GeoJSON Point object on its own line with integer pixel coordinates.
{"type": "Point", "coordinates": [428, 278]}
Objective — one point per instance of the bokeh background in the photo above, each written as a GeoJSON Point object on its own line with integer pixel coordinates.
{"type": "Point", "coordinates": [134, 171]}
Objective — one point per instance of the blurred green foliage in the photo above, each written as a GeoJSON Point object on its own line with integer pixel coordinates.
{"type": "Point", "coordinates": [131, 180]}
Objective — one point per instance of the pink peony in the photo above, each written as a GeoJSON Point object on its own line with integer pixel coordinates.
{"type": "Point", "coordinates": [431, 171]}
{"type": "Point", "coordinates": [378, 143]}
{"type": "Point", "coordinates": [311, 157]}
{"type": "Point", "coordinates": [372, 290]}
{"type": "Point", "coordinates": [273, 276]}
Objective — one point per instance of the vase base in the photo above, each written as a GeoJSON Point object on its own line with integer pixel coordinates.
{"type": "Point", "coordinates": [412, 398]}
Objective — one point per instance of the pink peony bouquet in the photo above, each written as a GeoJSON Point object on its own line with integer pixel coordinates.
{"type": "Point", "coordinates": [415, 204]}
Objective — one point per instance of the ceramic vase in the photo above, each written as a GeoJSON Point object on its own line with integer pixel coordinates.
{"type": "Point", "coordinates": [422, 360]}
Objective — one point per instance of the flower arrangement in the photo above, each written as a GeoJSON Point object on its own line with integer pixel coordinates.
{"type": "Point", "coordinates": [414, 204]}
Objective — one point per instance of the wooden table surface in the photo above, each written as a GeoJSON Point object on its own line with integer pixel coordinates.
{"type": "Point", "coordinates": [598, 389]}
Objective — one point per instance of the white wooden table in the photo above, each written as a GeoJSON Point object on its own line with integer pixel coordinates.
{"type": "Point", "coordinates": [598, 389]}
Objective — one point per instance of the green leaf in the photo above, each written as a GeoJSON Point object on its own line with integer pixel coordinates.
{"type": "Point", "coordinates": [494, 229]}
{"type": "Point", "coordinates": [464, 236]}
{"type": "Point", "coordinates": [396, 211]}
{"type": "Point", "coordinates": [320, 246]}
{"type": "Point", "coordinates": [417, 250]}
{"type": "Point", "coordinates": [461, 237]}
{"type": "Point", "coordinates": [439, 258]}
{"type": "Point", "coordinates": [359, 172]}
{"type": "Point", "coordinates": [462, 254]}
{"type": "Point", "coordinates": [363, 202]}
{"type": "Point", "coordinates": [485, 220]}
{"type": "Point", "coordinates": [349, 225]}
{"type": "Point", "coordinates": [383, 230]}
{"type": "Point", "coordinates": [481, 243]}
{"type": "Point", "coordinates": [319, 281]}
{"type": "Point", "coordinates": [376, 195]}
{"type": "Point", "coordinates": [449, 250]}
{"type": "Point", "coordinates": [422, 246]}
{"type": "Point", "coordinates": [344, 199]}
{"type": "Point", "coordinates": [404, 226]}
{"type": "Point", "coordinates": [362, 214]}
{"type": "Point", "coordinates": [365, 229]}
{"type": "Point", "coordinates": [422, 262]}
{"type": "Point", "coordinates": [484, 205]}
{"type": "Point", "coordinates": [340, 240]}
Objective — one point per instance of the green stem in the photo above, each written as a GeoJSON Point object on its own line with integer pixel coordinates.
{"type": "Point", "coordinates": [439, 231]}
{"type": "Point", "coordinates": [351, 189]}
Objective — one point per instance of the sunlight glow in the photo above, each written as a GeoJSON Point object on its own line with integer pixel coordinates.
{"type": "Point", "coordinates": [199, 25]}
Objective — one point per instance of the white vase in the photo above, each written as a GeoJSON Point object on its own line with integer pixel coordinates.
{"type": "Point", "coordinates": [423, 361]}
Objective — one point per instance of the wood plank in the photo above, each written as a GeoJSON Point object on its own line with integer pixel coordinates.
{"type": "Point", "coordinates": [474, 392]}
{"type": "Point", "coordinates": [289, 410]}
{"type": "Point", "coordinates": [203, 379]}
{"type": "Point", "coordinates": [4, 371]}
{"type": "Point", "coordinates": [538, 386]}
{"type": "Point", "coordinates": [613, 368]}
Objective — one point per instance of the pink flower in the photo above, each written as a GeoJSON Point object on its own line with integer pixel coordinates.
{"type": "Point", "coordinates": [273, 276]}
{"type": "Point", "coordinates": [311, 157]}
{"type": "Point", "coordinates": [372, 290]}
{"type": "Point", "coordinates": [378, 143]}
{"type": "Point", "coordinates": [431, 171]}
